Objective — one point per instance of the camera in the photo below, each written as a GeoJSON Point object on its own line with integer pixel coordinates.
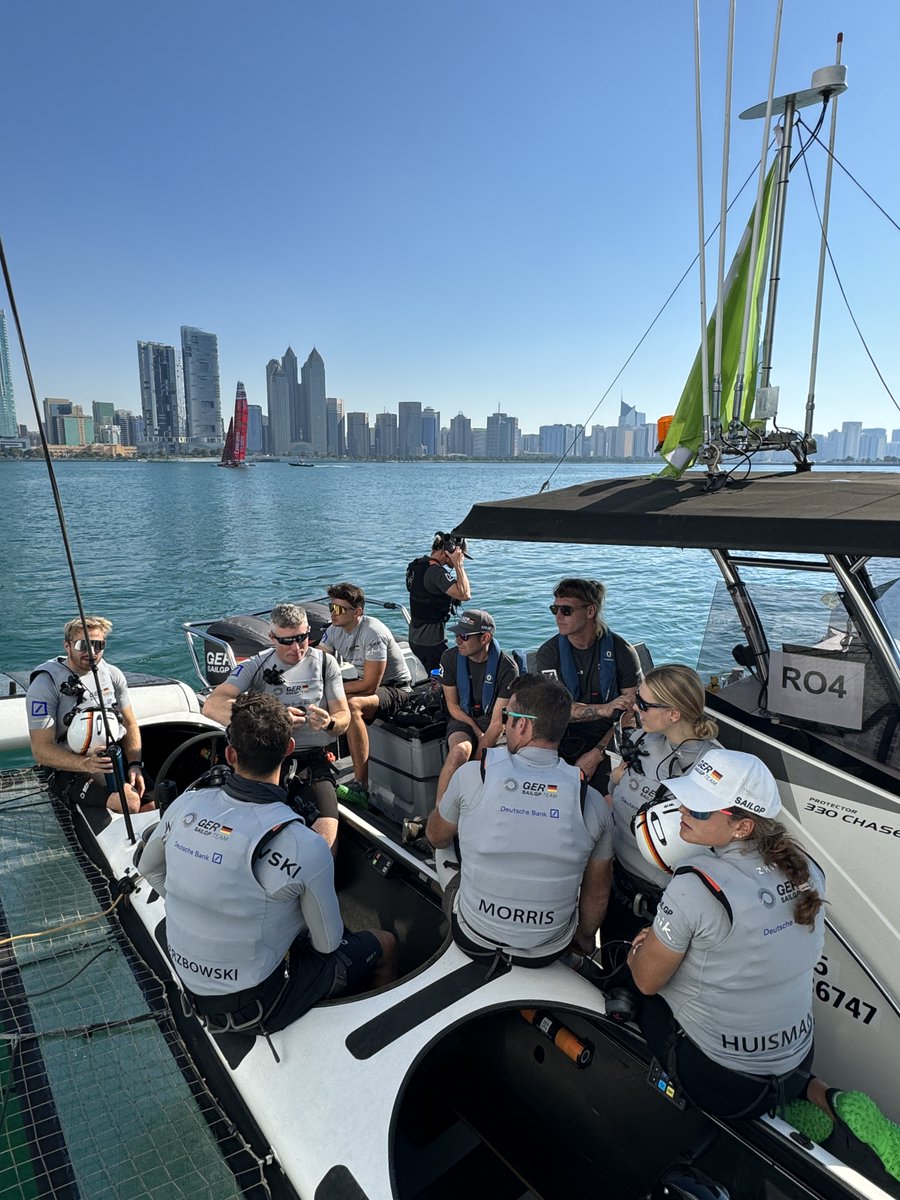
{"type": "Point", "coordinates": [449, 543]}
{"type": "Point", "coordinates": [273, 675]}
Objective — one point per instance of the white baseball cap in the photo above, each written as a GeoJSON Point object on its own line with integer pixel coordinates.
{"type": "Point", "coordinates": [728, 779]}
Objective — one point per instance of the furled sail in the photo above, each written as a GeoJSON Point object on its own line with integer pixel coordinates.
{"type": "Point", "coordinates": [685, 435]}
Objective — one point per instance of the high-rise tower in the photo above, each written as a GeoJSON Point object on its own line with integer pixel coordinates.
{"type": "Point", "coordinates": [312, 402]}
{"type": "Point", "coordinates": [203, 401]}
{"type": "Point", "coordinates": [162, 395]}
{"type": "Point", "coordinates": [278, 401]}
{"type": "Point", "coordinates": [8, 425]}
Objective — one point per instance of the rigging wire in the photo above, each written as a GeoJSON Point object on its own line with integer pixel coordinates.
{"type": "Point", "coordinates": [852, 178]}
{"type": "Point", "coordinates": [118, 770]}
{"type": "Point", "coordinates": [545, 485]}
{"type": "Point", "coordinates": [840, 284]}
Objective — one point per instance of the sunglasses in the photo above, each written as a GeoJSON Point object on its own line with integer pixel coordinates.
{"type": "Point", "coordinates": [464, 637]}
{"type": "Point", "coordinates": [506, 713]}
{"type": "Point", "coordinates": [296, 639]}
{"type": "Point", "coordinates": [338, 608]}
{"type": "Point", "coordinates": [704, 816]}
{"type": "Point", "coordinates": [646, 705]}
{"type": "Point", "coordinates": [566, 610]}
{"type": "Point", "coordinates": [81, 645]}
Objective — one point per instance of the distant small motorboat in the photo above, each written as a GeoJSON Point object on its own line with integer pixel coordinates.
{"type": "Point", "coordinates": [301, 464]}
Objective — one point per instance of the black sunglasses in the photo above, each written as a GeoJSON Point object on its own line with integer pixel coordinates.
{"type": "Point", "coordinates": [294, 640]}
{"type": "Point", "coordinates": [81, 644]}
{"type": "Point", "coordinates": [566, 610]}
{"type": "Point", "coordinates": [646, 705]}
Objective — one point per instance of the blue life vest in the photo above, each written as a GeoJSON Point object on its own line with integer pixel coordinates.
{"type": "Point", "coordinates": [606, 668]}
{"type": "Point", "coordinates": [488, 686]}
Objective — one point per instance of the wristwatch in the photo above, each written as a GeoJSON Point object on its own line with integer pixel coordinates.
{"type": "Point", "coordinates": [329, 724]}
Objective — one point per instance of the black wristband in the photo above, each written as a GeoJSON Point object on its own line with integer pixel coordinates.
{"type": "Point", "coordinates": [138, 762]}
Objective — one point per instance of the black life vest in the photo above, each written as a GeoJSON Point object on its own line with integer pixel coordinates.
{"type": "Point", "coordinates": [427, 607]}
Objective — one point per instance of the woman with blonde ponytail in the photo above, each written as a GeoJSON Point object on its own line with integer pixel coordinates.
{"type": "Point", "coordinates": [673, 731]}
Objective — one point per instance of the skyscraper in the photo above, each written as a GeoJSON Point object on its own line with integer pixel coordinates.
{"type": "Point", "coordinates": [278, 402]}
{"type": "Point", "coordinates": [334, 427]}
{"type": "Point", "coordinates": [295, 404]}
{"type": "Point", "coordinates": [358, 434]}
{"type": "Point", "coordinates": [202, 397]}
{"type": "Point", "coordinates": [431, 431]}
{"type": "Point", "coordinates": [312, 402]}
{"type": "Point", "coordinates": [254, 429]}
{"type": "Point", "coordinates": [460, 436]}
{"type": "Point", "coordinates": [8, 424]}
{"type": "Point", "coordinates": [502, 436]}
{"type": "Point", "coordinates": [162, 395]}
{"type": "Point", "coordinates": [410, 429]}
{"type": "Point", "coordinates": [385, 435]}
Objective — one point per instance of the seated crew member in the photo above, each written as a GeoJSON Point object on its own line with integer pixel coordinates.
{"type": "Point", "coordinates": [253, 921]}
{"type": "Point", "coordinates": [308, 683]}
{"type": "Point", "coordinates": [600, 669]}
{"type": "Point", "coordinates": [477, 678]}
{"type": "Point", "coordinates": [383, 679]}
{"type": "Point", "coordinates": [435, 582]}
{"type": "Point", "coordinates": [727, 965]}
{"type": "Point", "coordinates": [535, 840]}
{"type": "Point", "coordinates": [674, 732]}
{"type": "Point", "coordinates": [64, 686]}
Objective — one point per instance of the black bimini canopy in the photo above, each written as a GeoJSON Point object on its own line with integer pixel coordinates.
{"type": "Point", "coordinates": [811, 512]}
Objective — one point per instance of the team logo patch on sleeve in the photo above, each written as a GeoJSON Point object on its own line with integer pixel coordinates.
{"type": "Point", "coordinates": [39, 708]}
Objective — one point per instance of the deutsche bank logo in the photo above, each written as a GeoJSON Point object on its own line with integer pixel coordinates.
{"type": "Point", "coordinates": [554, 813]}
{"type": "Point", "coordinates": [39, 708]}
{"type": "Point", "coordinates": [217, 858]}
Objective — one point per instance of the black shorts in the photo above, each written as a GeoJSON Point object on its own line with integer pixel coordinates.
{"type": "Point", "coordinates": [74, 788]}
{"type": "Point", "coordinates": [718, 1090]}
{"type": "Point", "coordinates": [461, 727]}
{"type": "Point", "coordinates": [311, 978]}
{"type": "Point", "coordinates": [391, 699]}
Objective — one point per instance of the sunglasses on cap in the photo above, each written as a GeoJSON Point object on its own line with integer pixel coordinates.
{"type": "Point", "coordinates": [81, 644]}
{"type": "Point", "coordinates": [646, 705]}
{"type": "Point", "coordinates": [295, 639]}
{"type": "Point", "coordinates": [506, 713]}
{"type": "Point", "coordinates": [566, 610]}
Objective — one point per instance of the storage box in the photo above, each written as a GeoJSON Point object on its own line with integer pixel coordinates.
{"type": "Point", "coordinates": [404, 765]}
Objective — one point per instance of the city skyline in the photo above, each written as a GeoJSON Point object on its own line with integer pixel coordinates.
{"type": "Point", "coordinates": [499, 247]}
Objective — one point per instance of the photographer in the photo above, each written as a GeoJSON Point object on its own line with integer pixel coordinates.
{"type": "Point", "coordinates": [309, 685]}
{"type": "Point", "coordinates": [437, 583]}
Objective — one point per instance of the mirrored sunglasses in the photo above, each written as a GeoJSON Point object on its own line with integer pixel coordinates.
{"type": "Point", "coordinates": [295, 639]}
{"type": "Point", "coordinates": [81, 644]}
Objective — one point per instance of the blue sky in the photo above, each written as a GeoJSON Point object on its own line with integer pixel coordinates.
{"type": "Point", "coordinates": [466, 202]}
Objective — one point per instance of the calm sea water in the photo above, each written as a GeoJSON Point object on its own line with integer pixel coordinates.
{"type": "Point", "coordinates": [156, 544]}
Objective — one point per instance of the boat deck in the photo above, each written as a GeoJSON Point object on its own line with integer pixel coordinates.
{"type": "Point", "coordinates": [98, 1097]}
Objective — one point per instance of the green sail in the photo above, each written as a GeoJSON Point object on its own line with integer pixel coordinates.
{"type": "Point", "coordinates": [685, 435]}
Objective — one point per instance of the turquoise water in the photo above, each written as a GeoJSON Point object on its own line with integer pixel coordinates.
{"type": "Point", "coordinates": [157, 544]}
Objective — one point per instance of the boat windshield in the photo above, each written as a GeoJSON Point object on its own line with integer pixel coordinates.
{"type": "Point", "coordinates": [820, 673]}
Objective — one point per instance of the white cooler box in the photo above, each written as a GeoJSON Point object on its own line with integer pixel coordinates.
{"type": "Point", "coordinates": [404, 764]}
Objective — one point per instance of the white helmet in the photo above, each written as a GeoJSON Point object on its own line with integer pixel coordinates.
{"type": "Point", "coordinates": [87, 730]}
{"type": "Point", "coordinates": [656, 832]}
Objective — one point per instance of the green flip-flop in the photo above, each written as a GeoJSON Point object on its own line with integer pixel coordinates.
{"type": "Point", "coordinates": [865, 1120]}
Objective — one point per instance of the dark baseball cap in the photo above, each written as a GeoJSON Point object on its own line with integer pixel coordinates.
{"type": "Point", "coordinates": [474, 620]}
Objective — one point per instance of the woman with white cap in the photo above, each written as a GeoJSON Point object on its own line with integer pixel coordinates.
{"type": "Point", "coordinates": [727, 965]}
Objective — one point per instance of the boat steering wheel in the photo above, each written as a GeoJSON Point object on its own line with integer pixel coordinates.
{"type": "Point", "coordinates": [213, 736]}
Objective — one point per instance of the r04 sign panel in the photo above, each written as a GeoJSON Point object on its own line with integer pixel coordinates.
{"type": "Point", "coordinates": [816, 687]}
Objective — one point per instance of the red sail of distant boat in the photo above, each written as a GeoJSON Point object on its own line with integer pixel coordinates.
{"type": "Point", "coordinates": [235, 452]}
